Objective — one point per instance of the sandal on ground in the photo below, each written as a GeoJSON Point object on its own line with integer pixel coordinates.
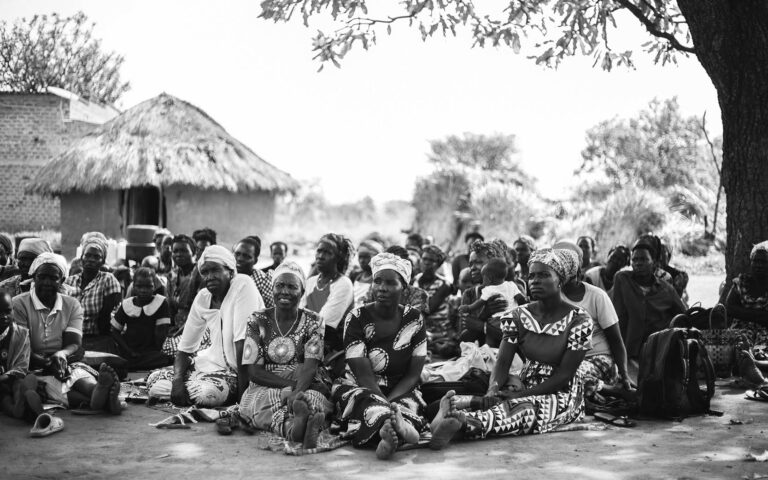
{"type": "Point", "coordinates": [45, 425]}
{"type": "Point", "coordinates": [759, 394]}
{"type": "Point", "coordinates": [622, 421]}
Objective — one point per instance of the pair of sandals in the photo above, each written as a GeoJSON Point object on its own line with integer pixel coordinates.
{"type": "Point", "coordinates": [45, 425]}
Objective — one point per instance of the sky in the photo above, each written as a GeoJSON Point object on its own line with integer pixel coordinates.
{"type": "Point", "coordinates": [364, 129]}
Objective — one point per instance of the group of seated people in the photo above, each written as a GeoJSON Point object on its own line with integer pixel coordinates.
{"type": "Point", "coordinates": [346, 343]}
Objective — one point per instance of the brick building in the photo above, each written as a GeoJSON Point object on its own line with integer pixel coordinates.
{"type": "Point", "coordinates": [34, 128]}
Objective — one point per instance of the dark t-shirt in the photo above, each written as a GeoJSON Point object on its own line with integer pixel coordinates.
{"type": "Point", "coordinates": [138, 323]}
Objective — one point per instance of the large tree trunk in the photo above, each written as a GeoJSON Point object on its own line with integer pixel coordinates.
{"type": "Point", "coordinates": [731, 42]}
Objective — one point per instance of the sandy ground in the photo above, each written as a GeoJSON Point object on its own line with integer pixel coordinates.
{"type": "Point", "coordinates": [126, 447]}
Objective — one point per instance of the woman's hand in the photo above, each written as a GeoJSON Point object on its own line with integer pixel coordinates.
{"type": "Point", "coordinates": [627, 383]}
{"type": "Point", "coordinates": [179, 394]}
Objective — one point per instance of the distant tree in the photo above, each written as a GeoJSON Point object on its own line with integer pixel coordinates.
{"type": "Point", "coordinates": [52, 51]}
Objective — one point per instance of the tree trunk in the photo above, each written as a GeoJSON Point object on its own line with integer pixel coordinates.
{"type": "Point", "coordinates": [731, 42]}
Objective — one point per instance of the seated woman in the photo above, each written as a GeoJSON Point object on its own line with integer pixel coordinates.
{"type": "Point", "coordinates": [214, 377]}
{"type": "Point", "coordinates": [412, 295]}
{"type": "Point", "coordinates": [602, 276]}
{"type": "Point", "coordinates": [29, 249]}
{"type": "Point", "coordinates": [98, 292]}
{"type": "Point", "coordinates": [141, 323]}
{"type": "Point", "coordinates": [18, 395]}
{"type": "Point", "coordinates": [283, 350]}
{"type": "Point", "coordinates": [553, 336]}
{"type": "Point", "coordinates": [442, 336]}
{"type": "Point", "coordinates": [330, 292]}
{"type": "Point", "coordinates": [747, 300]}
{"type": "Point", "coordinates": [605, 366]}
{"type": "Point", "coordinates": [362, 277]}
{"type": "Point", "coordinates": [386, 346]}
{"type": "Point", "coordinates": [644, 303]}
{"type": "Point", "coordinates": [55, 325]}
{"type": "Point", "coordinates": [679, 279]}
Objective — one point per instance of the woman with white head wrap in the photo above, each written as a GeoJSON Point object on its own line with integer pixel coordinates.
{"type": "Point", "coordinates": [29, 249]}
{"type": "Point", "coordinates": [55, 324]}
{"type": "Point", "coordinates": [222, 306]}
{"type": "Point", "coordinates": [386, 347]}
{"type": "Point", "coordinates": [553, 336]}
{"type": "Point", "coordinates": [283, 350]}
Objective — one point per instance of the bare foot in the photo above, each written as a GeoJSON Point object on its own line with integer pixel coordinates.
{"type": "Point", "coordinates": [445, 406]}
{"type": "Point", "coordinates": [100, 395]}
{"type": "Point", "coordinates": [114, 405]}
{"type": "Point", "coordinates": [300, 418]}
{"type": "Point", "coordinates": [388, 443]}
{"type": "Point", "coordinates": [449, 426]}
{"type": "Point", "coordinates": [315, 425]}
{"type": "Point", "coordinates": [405, 431]}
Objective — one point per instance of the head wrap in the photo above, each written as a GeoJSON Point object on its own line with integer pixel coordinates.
{"type": "Point", "coordinates": [49, 258]}
{"type": "Point", "coordinates": [489, 250]}
{"type": "Point", "coordinates": [34, 245]}
{"type": "Point", "coordinates": [436, 251]}
{"type": "Point", "coordinates": [371, 246]}
{"type": "Point", "coordinates": [344, 248]}
{"type": "Point", "coordinates": [528, 240]}
{"type": "Point", "coordinates": [291, 268]}
{"type": "Point", "coordinates": [94, 239]}
{"type": "Point", "coordinates": [7, 243]}
{"type": "Point", "coordinates": [565, 263]}
{"type": "Point", "coordinates": [759, 247]}
{"type": "Point", "coordinates": [568, 245]}
{"type": "Point", "coordinates": [217, 254]}
{"type": "Point", "coordinates": [389, 261]}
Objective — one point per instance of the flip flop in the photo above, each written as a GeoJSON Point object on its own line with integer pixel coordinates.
{"type": "Point", "coordinates": [758, 394]}
{"type": "Point", "coordinates": [622, 421]}
{"type": "Point", "coordinates": [45, 425]}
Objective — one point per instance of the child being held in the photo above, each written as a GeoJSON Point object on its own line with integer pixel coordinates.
{"type": "Point", "coordinates": [140, 324]}
{"type": "Point", "coordinates": [494, 273]}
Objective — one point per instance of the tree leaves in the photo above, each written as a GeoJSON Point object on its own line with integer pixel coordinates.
{"type": "Point", "coordinates": [51, 51]}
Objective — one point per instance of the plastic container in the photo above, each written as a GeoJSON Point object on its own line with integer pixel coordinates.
{"type": "Point", "coordinates": [140, 234]}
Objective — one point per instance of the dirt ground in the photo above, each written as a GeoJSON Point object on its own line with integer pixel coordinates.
{"type": "Point", "coordinates": [127, 447]}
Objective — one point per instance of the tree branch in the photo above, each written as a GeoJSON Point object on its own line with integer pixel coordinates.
{"type": "Point", "coordinates": [652, 29]}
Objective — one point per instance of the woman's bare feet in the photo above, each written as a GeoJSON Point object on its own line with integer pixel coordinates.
{"type": "Point", "coordinates": [315, 425]}
{"type": "Point", "coordinates": [405, 431]}
{"type": "Point", "coordinates": [301, 415]}
{"type": "Point", "coordinates": [388, 443]}
{"type": "Point", "coordinates": [447, 423]}
{"type": "Point", "coordinates": [100, 395]}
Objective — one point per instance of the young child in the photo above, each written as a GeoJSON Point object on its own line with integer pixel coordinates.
{"type": "Point", "coordinates": [494, 273]}
{"type": "Point", "coordinates": [18, 396]}
{"type": "Point", "coordinates": [141, 324]}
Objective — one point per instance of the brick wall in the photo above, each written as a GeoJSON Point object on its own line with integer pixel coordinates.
{"type": "Point", "coordinates": [33, 129]}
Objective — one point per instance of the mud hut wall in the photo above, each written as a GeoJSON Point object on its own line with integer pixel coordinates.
{"type": "Point", "coordinates": [87, 212]}
{"type": "Point", "coordinates": [232, 215]}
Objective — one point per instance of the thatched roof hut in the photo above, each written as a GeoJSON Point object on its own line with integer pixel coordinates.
{"type": "Point", "coordinates": [163, 162]}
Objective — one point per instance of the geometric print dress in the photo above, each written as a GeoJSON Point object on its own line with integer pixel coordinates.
{"type": "Point", "coordinates": [362, 411]}
{"type": "Point", "coordinates": [544, 347]}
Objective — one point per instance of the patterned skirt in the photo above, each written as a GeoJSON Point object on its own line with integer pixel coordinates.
{"type": "Point", "coordinates": [206, 389]}
{"type": "Point", "coordinates": [532, 414]}
{"type": "Point", "coordinates": [363, 412]}
{"type": "Point", "coordinates": [264, 409]}
{"type": "Point", "coordinates": [758, 334]}
{"type": "Point", "coordinates": [598, 370]}
{"type": "Point", "coordinates": [171, 344]}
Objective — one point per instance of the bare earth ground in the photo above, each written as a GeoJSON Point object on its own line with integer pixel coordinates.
{"type": "Point", "coordinates": [127, 447]}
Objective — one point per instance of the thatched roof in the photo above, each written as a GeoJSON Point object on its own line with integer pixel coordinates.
{"type": "Point", "coordinates": [163, 141]}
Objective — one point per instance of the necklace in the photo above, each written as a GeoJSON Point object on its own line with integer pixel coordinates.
{"type": "Point", "coordinates": [330, 281]}
{"type": "Point", "coordinates": [277, 324]}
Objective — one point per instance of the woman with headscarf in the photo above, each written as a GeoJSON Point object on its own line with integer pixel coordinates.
{"type": "Point", "coordinates": [283, 352]}
{"type": "Point", "coordinates": [644, 303]}
{"type": "Point", "coordinates": [553, 336]}
{"type": "Point", "coordinates": [98, 292]}
{"type": "Point", "coordinates": [602, 276]}
{"type": "Point", "coordinates": [412, 295]}
{"type": "Point", "coordinates": [473, 324]}
{"type": "Point", "coordinates": [29, 249]}
{"type": "Point", "coordinates": [7, 267]}
{"type": "Point", "coordinates": [330, 292]}
{"type": "Point", "coordinates": [55, 323]}
{"type": "Point", "coordinates": [214, 376]}
{"type": "Point", "coordinates": [362, 278]}
{"type": "Point", "coordinates": [747, 300]}
{"type": "Point", "coordinates": [606, 364]}
{"type": "Point", "coordinates": [386, 347]}
{"type": "Point", "coordinates": [442, 336]}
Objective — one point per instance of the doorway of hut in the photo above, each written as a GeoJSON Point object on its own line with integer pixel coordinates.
{"type": "Point", "coordinates": [143, 206]}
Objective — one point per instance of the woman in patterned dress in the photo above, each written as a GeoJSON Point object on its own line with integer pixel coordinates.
{"type": "Point", "coordinates": [554, 337]}
{"type": "Point", "coordinates": [283, 350]}
{"type": "Point", "coordinates": [747, 300]}
{"type": "Point", "coordinates": [385, 343]}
